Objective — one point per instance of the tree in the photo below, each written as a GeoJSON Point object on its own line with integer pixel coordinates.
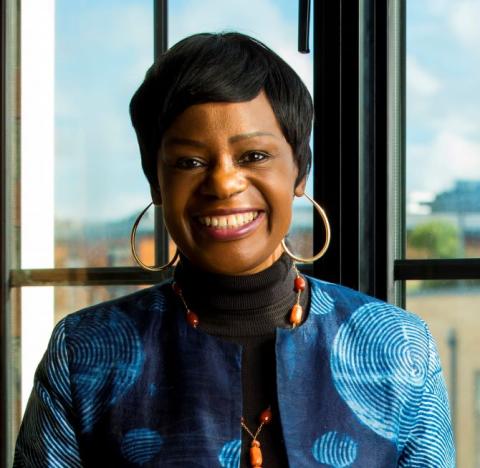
{"type": "Point", "coordinates": [437, 238]}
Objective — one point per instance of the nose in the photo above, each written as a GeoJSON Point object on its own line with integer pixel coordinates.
{"type": "Point", "coordinates": [224, 180]}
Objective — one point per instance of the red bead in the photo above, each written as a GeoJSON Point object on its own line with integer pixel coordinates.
{"type": "Point", "coordinates": [299, 284]}
{"type": "Point", "coordinates": [296, 315]}
{"type": "Point", "coordinates": [176, 289]}
{"type": "Point", "coordinates": [192, 319]}
{"type": "Point", "coordinates": [266, 416]}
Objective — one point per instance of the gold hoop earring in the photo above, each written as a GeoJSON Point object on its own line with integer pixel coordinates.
{"type": "Point", "coordinates": [328, 236]}
{"type": "Point", "coordinates": [134, 252]}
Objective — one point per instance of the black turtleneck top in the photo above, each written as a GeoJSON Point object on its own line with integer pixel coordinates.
{"type": "Point", "coordinates": [246, 310]}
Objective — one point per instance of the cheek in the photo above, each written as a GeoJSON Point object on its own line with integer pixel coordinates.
{"type": "Point", "coordinates": [178, 228]}
{"type": "Point", "coordinates": [174, 207]}
{"type": "Point", "coordinates": [172, 188]}
{"type": "Point", "coordinates": [285, 217]}
{"type": "Point", "coordinates": [281, 210]}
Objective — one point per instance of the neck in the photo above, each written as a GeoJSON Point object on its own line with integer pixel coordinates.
{"type": "Point", "coordinates": [246, 305]}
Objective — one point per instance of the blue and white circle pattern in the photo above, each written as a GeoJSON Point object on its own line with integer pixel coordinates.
{"type": "Point", "coordinates": [335, 449]}
{"type": "Point", "coordinates": [432, 425]}
{"type": "Point", "coordinates": [140, 446]}
{"type": "Point", "coordinates": [54, 438]}
{"type": "Point", "coordinates": [229, 456]}
{"type": "Point", "coordinates": [321, 302]}
{"type": "Point", "coordinates": [379, 367]}
{"type": "Point", "coordinates": [107, 359]}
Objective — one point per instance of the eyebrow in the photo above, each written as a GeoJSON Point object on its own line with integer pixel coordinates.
{"type": "Point", "coordinates": [245, 136]}
{"type": "Point", "coordinates": [198, 144]}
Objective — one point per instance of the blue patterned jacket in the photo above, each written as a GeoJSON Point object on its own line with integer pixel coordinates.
{"type": "Point", "coordinates": [128, 383]}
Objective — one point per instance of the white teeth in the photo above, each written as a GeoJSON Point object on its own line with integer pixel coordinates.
{"type": "Point", "coordinates": [230, 221]}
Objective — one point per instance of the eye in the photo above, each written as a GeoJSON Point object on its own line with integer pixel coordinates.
{"type": "Point", "coordinates": [188, 163]}
{"type": "Point", "coordinates": [252, 157]}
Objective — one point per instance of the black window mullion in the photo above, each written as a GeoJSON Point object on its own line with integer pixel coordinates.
{"type": "Point", "coordinates": [349, 144]}
{"type": "Point", "coordinates": [160, 45]}
{"type": "Point", "coordinates": [336, 137]}
{"type": "Point", "coordinates": [160, 27]}
{"type": "Point", "coordinates": [326, 132]}
{"type": "Point", "coordinates": [437, 269]}
{"type": "Point", "coordinates": [372, 118]}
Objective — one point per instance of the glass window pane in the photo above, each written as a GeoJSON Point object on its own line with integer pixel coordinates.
{"type": "Point", "coordinates": [451, 309]}
{"type": "Point", "coordinates": [275, 24]}
{"type": "Point", "coordinates": [443, 130]}
{"type": "Point", "coordinates": [82, 183]}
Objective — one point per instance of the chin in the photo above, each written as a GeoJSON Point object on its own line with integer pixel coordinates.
{"type": "Point", "coordinates": [234, 264]}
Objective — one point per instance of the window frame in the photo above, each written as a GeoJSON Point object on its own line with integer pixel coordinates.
{"type": "Point", "coordinates": [4, 260]}
{"type": "Point", "coordinates": [358, 172]}
{"type": "Point", "coordinates": [351, 182]}
{"type": "Point", "coordinates": [411, 269]}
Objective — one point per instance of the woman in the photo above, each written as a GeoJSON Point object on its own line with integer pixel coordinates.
{"type": "Point", "coordinates": [242, 359]}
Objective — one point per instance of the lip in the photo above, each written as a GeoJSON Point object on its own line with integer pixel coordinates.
{"type": "Point", "coordinates": [230, 233]}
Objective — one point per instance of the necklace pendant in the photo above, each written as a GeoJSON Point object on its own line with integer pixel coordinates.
{"type": "Point", "coordinates": [296, 315]}
{"type": "Point", "coordinates": [256, 458]}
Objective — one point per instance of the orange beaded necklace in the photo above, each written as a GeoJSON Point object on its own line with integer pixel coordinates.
{"type": "Point", "coordinates": [256, 457]}
{"type": "Point", "coordinates": [295, 318]}
{"type": "Point", "coordinates": [296, 313]}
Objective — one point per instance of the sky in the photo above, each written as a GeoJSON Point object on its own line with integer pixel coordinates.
{"type": "Point", "coordinates": [443, 99]}
{"type": "Point", "coordinates": [103, 49]}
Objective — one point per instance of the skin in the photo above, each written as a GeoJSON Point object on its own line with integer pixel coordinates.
{"type": "Point", "coordinates": [227, 156]}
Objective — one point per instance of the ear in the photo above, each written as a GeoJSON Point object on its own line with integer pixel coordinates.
{"type": "Point", "coordinates": [156, 195]}
{"type": "Point", "coordinates": [300, 188]}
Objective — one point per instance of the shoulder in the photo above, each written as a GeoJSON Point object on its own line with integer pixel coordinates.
{"type": "Point", "coordinates": [116, 328]}
{"type": "Point", "coordinates": [134, 309]}
{"type": "Point", "coordinates": [335, 298]}
{"type": "Point", "coordinates": [369, 327]}
{"type": "Point", "coordinates": [338, 295]}
{"type": "Point", "coordinates": [384, 365]}
{"type": "Point", "coordinates": [105, 348]}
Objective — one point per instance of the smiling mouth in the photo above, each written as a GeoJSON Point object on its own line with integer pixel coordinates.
{"type": "Point", "coordinates": [233, 221]}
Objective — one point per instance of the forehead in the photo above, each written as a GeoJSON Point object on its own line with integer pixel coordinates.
{"type": "Point", "coordinates": [227, 118]}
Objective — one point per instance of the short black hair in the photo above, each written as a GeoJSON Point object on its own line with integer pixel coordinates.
{"type": "Point", "coordinates": [222, 67]}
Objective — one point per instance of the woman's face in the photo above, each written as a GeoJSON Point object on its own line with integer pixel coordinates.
{"type": "Point", "coordinates": [227, 176]}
